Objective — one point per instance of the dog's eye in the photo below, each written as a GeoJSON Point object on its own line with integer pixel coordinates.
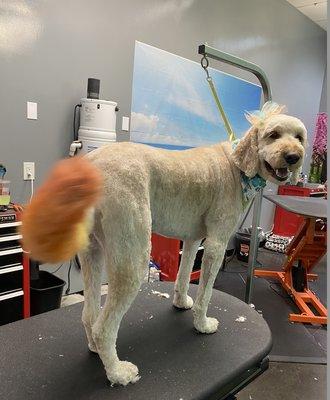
{"type": "Point", "coordinates": [274, 135]}
{"type": "Point", "coordinates": [300, 138]}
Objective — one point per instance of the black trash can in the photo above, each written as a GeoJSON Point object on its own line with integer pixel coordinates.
{"type": "Point", "coordinates": [46, 293]}
{"type": "Point", "coordinates": [242, 243]}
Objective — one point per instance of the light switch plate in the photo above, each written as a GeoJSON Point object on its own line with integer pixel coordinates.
{"type": "Point", "coordinates": [31, 110]}
{"type": "Point", "coordinates": [125, 124]}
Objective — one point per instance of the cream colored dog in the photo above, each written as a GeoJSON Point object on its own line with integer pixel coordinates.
{"type": "Point", "coordinates": [191, 195]}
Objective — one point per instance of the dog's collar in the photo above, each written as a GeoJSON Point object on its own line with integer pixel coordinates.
{"type": "Point", "coordinates": [250, 186]}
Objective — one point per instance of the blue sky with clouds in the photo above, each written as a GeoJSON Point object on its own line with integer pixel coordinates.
{"type": "Point", "coordinates": [172, 103]}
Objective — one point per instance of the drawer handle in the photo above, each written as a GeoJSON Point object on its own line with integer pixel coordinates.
{"type": "Point", "coordinates": [10, 224]}
{"type": "Point", "coordinates": [11, 269]}
{"type": "Point", "coordinates": [10, 238]}
{"type": "Point", "coordinates": [11, 251]}
{"type": "Point", "coordinates": [11, 295]}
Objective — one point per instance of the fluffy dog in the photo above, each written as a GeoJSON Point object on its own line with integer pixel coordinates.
{"type": "Point", "coordinates": [191, 195]}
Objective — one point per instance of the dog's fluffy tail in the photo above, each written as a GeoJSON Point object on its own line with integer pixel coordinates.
{"type": "Point", "coordinates": [55, 223]}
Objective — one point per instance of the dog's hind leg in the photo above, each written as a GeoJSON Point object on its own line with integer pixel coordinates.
{"type": "Point", "coordinates": [181, 298]}
{"type": "Point", "coordinates": [92, 261]}
{"type": "Point", "coordinates": [127, 262]}
{"type": "Point", "coordinates": [214, 251]}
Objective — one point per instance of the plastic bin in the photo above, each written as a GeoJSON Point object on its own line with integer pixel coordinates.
{"type": "Point", "coordinates": [46, 293]}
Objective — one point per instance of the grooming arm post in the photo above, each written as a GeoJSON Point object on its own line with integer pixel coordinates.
{"type": "Point", "coordinates": [239, 63]}
{"type": "Point", "coordinates": [254, 245]}
{"type": "Point", "coordinates": [218, 55]}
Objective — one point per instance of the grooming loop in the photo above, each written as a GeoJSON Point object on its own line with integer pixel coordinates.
{"type": "Point", "coordinates": [307, 248]}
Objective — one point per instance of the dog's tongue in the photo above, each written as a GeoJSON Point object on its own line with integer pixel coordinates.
{"type": "Point", "coordinates": [282, 172]}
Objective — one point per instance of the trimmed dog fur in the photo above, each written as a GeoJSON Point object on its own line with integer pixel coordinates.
{"type": "Point", "coordinates": [190, 195]}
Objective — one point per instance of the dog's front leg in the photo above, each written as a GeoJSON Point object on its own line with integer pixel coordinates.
{"type": "Point", "coordinates": [213, 254]}
{"type": "Point", "coordinates": [181, 298]}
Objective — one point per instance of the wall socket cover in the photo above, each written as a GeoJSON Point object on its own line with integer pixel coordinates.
{"type": "Point", "coordinates": [28, 170]}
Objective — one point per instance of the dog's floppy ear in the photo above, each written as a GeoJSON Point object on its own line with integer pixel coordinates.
{"type": "Point", "coordinates": [245, 156]}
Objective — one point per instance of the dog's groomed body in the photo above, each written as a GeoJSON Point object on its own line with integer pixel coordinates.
{"type": "Point", "coordinates": [177, 194]}
{"type": "Point", "coordinates": [191, 195]}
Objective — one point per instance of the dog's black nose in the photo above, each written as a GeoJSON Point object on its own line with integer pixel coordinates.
{"type": "Point", "coordinates": [291, 158]}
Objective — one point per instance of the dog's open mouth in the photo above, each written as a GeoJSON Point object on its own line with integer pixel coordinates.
{"type": "Point", "coordinates": [281, 174]}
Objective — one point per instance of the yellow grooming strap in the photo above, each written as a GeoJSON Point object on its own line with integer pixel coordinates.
{"type": "Point", "coordinates": [229, 129]}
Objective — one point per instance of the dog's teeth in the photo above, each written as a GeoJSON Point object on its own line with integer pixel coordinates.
{"type": "Point", "coordinates": [281, 172]}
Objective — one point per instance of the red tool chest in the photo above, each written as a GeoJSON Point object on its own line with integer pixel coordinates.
{"type": "Point", "coordinates": [14, 271]}
{"type": "Point", "coordinates": [287, 223]}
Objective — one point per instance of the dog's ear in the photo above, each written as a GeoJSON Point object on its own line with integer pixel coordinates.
{"type": "Point", "coordinates": [245, 156]}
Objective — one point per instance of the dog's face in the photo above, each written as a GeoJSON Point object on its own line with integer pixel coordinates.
{"type": "Point", "coordinates": [281, 148]}
{"type": "Point", "coordinates": [274, 148]}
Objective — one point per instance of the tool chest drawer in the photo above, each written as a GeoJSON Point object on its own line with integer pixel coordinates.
{"type": "Point", "coordinates": [11, 306]}
{"type": "Point", "coordinates": [10, 259]}
{"type": "Point", "coordinates": [11, 278]}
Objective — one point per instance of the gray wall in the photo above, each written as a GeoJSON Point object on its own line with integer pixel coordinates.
{"type": "Point", "coordinates": [323, 101]}
{"type": "Point", "coordinates": [48, 50]}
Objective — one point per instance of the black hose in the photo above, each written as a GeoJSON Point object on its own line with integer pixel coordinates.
{"type": "Point", "coordinates": [75, 131]}
{"type": "Point", "coordinates": [76, 258]}
{"type": "Point", "coordinates": [69, 279]}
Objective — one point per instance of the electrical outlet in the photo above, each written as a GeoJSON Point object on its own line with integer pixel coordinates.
{"type": "Point", "coordinates": [28, 170]}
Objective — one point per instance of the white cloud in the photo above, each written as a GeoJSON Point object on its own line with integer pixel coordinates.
{"type": "Point", "coordinates": [144, 123]}
{"type": "Point", "coordinates": [144, 128]}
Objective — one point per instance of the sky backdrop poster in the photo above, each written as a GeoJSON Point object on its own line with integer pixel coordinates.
{"type": "Point", "coordinates": [172, 105]}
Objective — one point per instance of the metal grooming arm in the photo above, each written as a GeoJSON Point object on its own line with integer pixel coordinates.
{"type": "Point", "coordinates": [218, 55]}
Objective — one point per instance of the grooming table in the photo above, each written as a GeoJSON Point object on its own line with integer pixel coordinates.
{"type": "Point", "coordinates": [307, 248]}
{"type": "Point", "coordinates": [46, 356]}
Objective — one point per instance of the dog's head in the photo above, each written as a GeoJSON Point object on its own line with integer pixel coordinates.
{"type": "Point", "coordinates": [274, 147]}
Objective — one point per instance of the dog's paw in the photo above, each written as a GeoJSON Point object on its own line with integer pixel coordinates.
{"type": "Point", "coordinates": [184, 303]}
{"type": "Point", "coordinates": [207, 325]}
{"type": "Point", "coordinates": [123, 373]}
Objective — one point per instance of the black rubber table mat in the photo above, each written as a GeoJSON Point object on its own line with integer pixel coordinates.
{"type": "Point", "coordinates": [46, 357]}
{"type": "Point", "coordinates": [292, 342]}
